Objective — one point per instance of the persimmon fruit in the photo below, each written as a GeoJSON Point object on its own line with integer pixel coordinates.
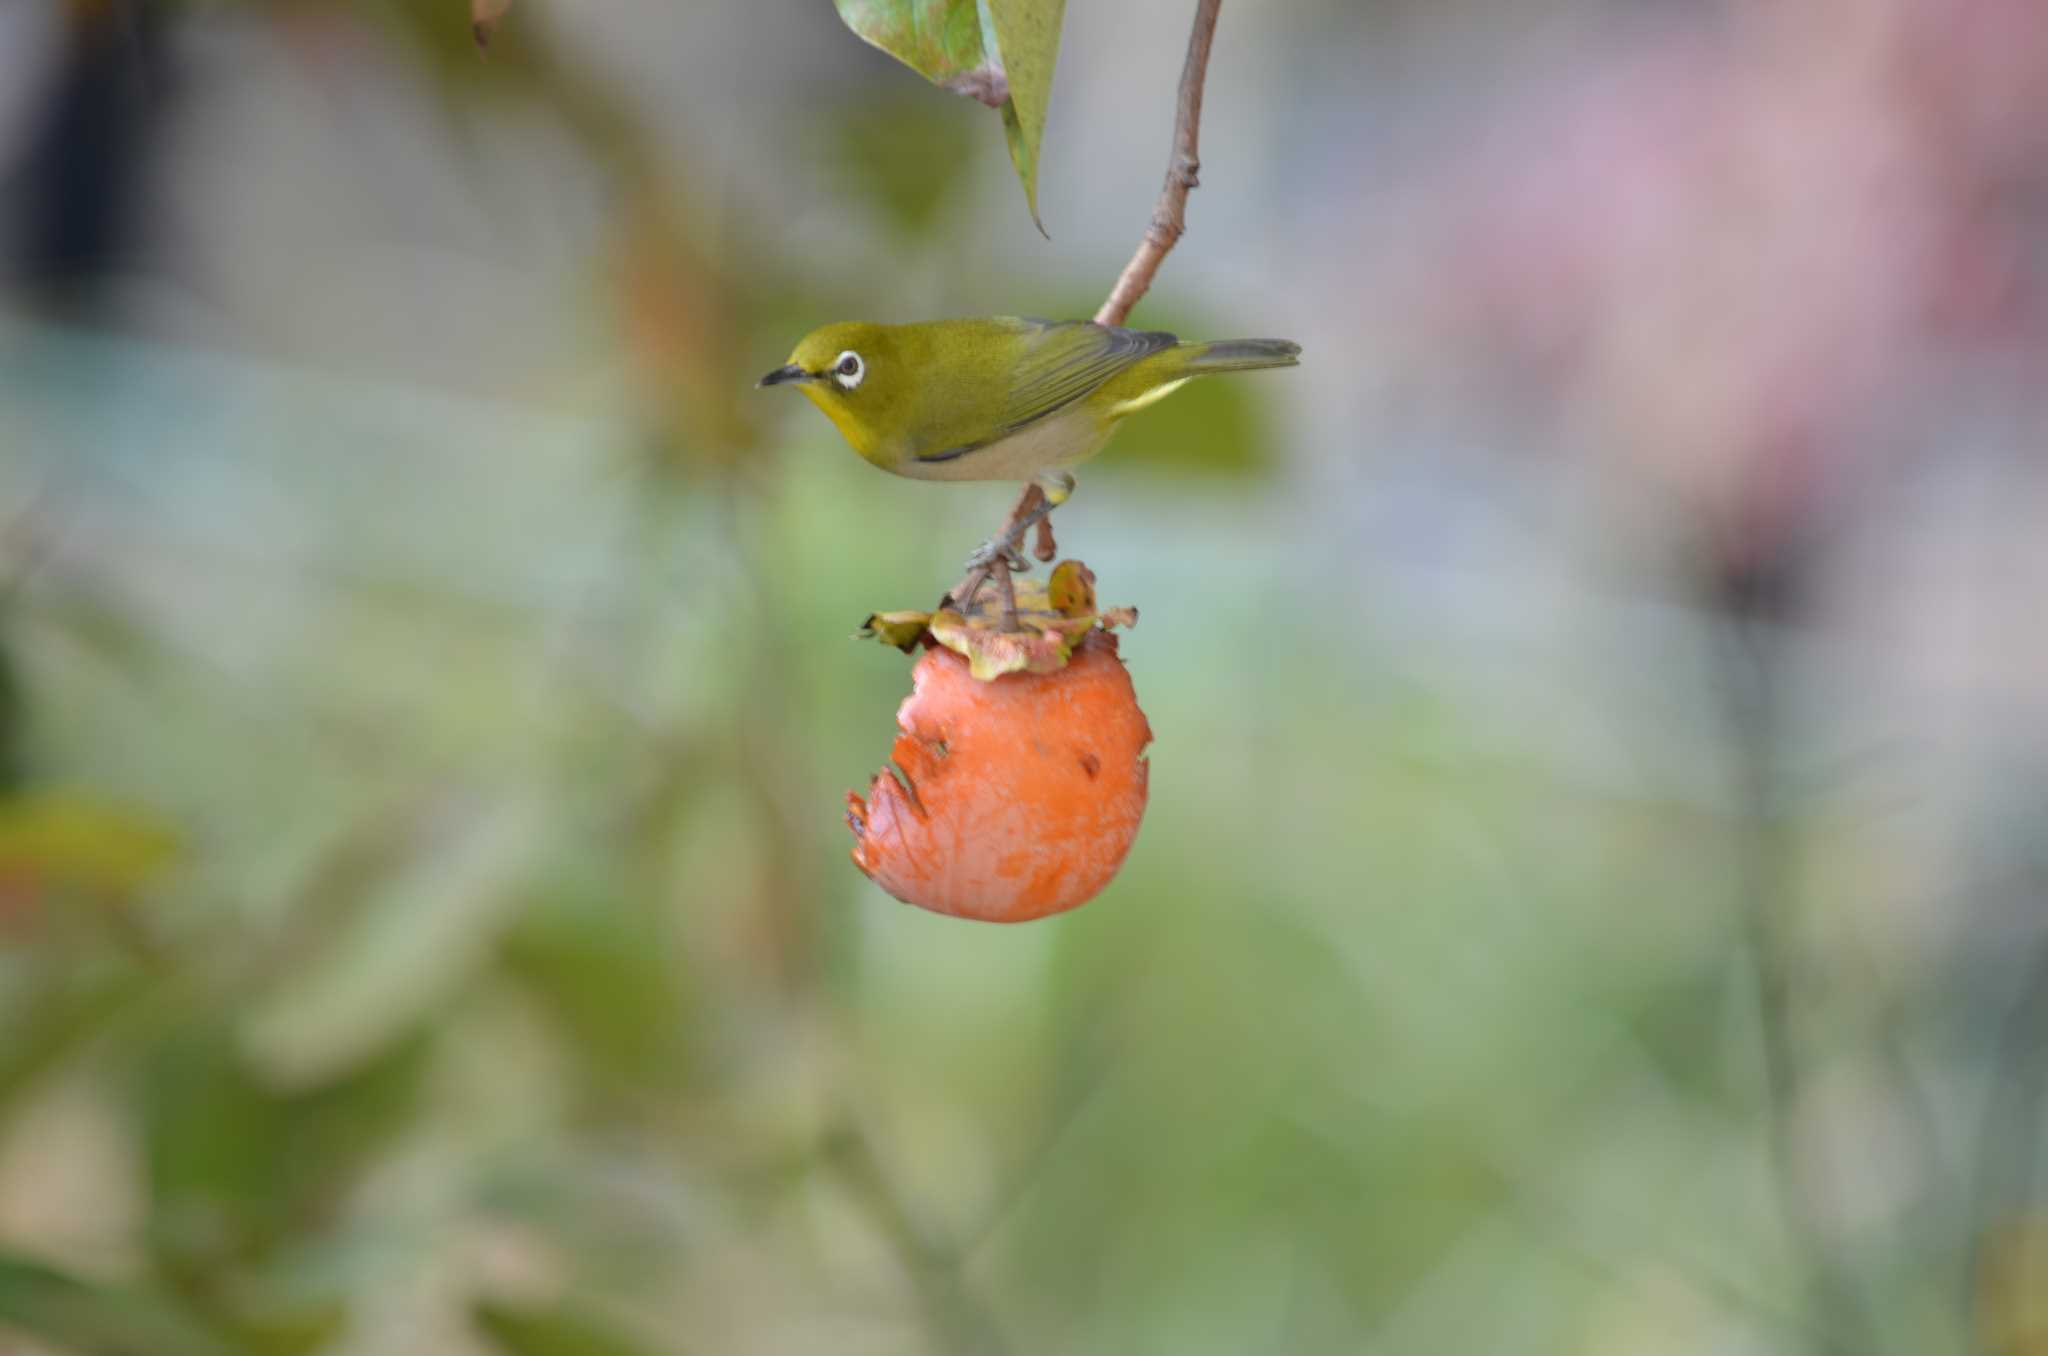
{"type": "Point", "coordinates": [1008, 798]}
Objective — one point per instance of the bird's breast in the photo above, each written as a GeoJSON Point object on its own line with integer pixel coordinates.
{"type": "Point", "coordinates": [1064, 439]}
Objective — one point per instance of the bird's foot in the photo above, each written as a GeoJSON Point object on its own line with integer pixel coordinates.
{"type": "Point", "coordinates": [1007, 549]}
{"type": "Point", "coordinates": [995, 559]}
{"type": "Point", "coordinates": [1003, 554]}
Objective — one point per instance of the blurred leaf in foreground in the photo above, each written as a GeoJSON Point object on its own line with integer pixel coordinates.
{"type": "Point", "coordinates": [419, 936]}
{"type": "Point", "coordinates": [895, 156]}
{"type": "Point", "coordinates": [520, 1330]}
{"type": "Point", "coordinates": [48, 1025]}
{"type": "Point", "coordinates": [1001, 52]}
{"type": "Point", "coordinates": [238, 1168]}
{"type": "Point", "coordinates": [2012, 1288]}
{"type": "Point", "coordinates": [68, 840]}
{"type": "Point", "coordinates": [96, 1320]}
{"type": "Point", "coordinates": [609, 977]}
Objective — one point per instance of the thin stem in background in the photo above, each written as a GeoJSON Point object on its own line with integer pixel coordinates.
{"type": "Point", "coordinates": [2010, 1141]}
{"type": "Point", "coordinates": [963, 1323]}
{"type": "Point", "coordinates": [1749, 675]}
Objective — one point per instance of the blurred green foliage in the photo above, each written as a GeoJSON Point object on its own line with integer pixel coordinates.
{"type": "Point", "coordinates": [523, 1331]}
{"type": "Point", "coordinates": [900, 155]}
{"type": "Point", "coordinates": [97, 1320]}
{"type": "Point", "coordinates": [424, 917]}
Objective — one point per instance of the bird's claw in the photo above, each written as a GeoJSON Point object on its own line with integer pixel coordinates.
{"type": "Point", "coordinates": [1009, 551]}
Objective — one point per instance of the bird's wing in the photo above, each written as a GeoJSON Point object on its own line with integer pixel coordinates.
{"type": "Point", "coordinates": [1067, 360]}
{"type": "Point", "coordinates": [1062, 362]}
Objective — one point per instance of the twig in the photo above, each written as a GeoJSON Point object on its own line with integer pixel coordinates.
{"type": "Point", "coordinates": [1170, 216]}
{"type": "Point", "coordinates": [1168, 224]}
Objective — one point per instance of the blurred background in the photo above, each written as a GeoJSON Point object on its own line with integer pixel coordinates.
{"type": "Point", "coordinates": [1592, 896]}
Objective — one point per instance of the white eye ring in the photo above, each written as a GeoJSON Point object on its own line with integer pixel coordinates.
{"type": "Point", "coordinates": [848, 370]}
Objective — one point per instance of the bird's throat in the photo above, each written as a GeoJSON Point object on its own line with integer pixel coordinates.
{"type": "Point", "coordinates": [857, 434]}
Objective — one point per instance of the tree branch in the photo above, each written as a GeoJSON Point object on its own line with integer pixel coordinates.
{"type": "Point", "coordinates": [1168, 224]}
{"type": "Point", "coordinates": [1170, 215]}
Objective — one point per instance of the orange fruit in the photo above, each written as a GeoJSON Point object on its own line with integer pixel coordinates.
{"type": "Point", "coordinates": [1010, 798]}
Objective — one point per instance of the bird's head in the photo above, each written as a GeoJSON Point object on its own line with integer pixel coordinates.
{"type": "Point", "coordinates": [854, 372]}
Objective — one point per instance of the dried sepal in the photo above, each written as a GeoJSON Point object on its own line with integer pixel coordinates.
{"type": "Point", "coordinates": [1052, 617]}
{"type": "Point", "coordinates": [901, 629]}
{"type": "Point", "coordinates": [1071, 589]}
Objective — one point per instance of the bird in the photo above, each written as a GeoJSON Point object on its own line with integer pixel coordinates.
{"type": "Point", "coordinates": [999, 397]}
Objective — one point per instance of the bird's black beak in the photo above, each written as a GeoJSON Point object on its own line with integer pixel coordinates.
{"type": "Point", "coordinates": [791, 372]}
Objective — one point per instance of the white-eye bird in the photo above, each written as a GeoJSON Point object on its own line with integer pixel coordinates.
{"type": "Point", "coordinates": [999, 397]}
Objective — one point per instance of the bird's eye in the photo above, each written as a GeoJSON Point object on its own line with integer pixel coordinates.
{"type": "Point", "coordinates": [849, 370]}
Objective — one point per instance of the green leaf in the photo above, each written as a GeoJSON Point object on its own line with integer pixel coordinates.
{"type": "Point", "coordinates": [1001, 52]}
{"type": "Point", "coordinates": [522, 1330]}
{"type": "Point", "coordinates": [97, 1320]}
{"type": "Point", "coordinates": [1028, 38]}
{"type": "Point", "coordinates": [942, 40]}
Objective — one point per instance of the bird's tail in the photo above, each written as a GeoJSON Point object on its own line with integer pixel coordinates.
{"type": "Point", "coordinates": [1241, 355]}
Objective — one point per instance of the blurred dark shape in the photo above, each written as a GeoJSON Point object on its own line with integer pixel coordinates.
{"type": "Point", "coordinates": [76, 190]}
{"type": "Point", "coordinates": [11, 770]}
{"type": "Point", "coordinates": [1767, 586]}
